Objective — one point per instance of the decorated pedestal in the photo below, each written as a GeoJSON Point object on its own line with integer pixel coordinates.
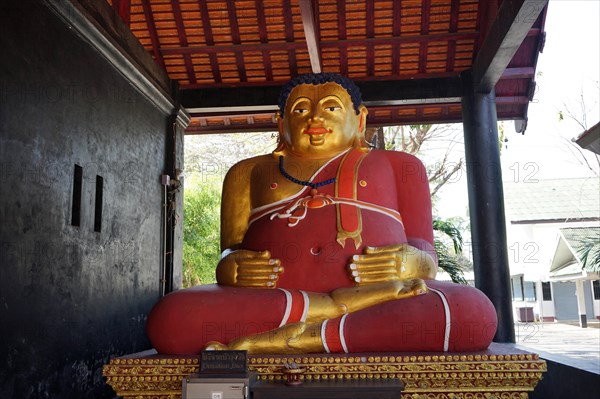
{"type": "Point", "coordinates": [499, 372]}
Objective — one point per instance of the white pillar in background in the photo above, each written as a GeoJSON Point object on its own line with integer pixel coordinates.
{"type": "Point", "coordinates": [581, 303]}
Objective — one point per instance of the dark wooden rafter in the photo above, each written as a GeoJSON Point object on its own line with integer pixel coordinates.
{"type": "Point", "coordinates": [379, 92]}
{"type": "Point", "coordinates": [123, 8]}
{"type": "Point", "coordinates": [236, 39]}
{"type": "Point", "coordinates": [210, 41]}
{"type": "Point", "coordinates": [425, 12]}
{"type": "Point", "coordinates": [310, 33]}
{"type": "Point", "coordinates": [486, 11]}
{"type": "Point", "coordinates": [511, 26]}
{"type": "Point", "coordinates": [233, 115]}
{"type": "Point", "coordinates": [262, 31]}
{"type": "Point", "coordinates": [518, 73]}
{"type": "Point", "coordinates": [210, 49]}
{"type": "Point", "coordinates": [445, 116]}
{"type": "Point", "coordinates": [315, 8]}
{"type": "Point", "coordinates": [396, 30]}
{"type": "Point", "coordinates": [370, 13]}
{"type": "Point", "coordinates": [153, 33]}
{"type": "Point", "coordinates": [419, 113]}
{"type": "Point", "coordinates": [183, 40]}
{"type": "Point", "coordinates": [289, 36]}
{"type": "Point", "coordinates": [454, 8]}
{"type": "Point", "coordinates": [341, 12]}
{"type": "Point", "coordinates": [392, 109]}
{"type": "Point", "coordinates": [526, 72]}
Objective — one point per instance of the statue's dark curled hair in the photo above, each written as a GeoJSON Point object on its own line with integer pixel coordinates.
{"type": "Point", "coordinates": [317, 79]}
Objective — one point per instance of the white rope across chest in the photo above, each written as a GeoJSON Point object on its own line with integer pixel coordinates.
{"type": "Point", "coordinates": [297, 210]}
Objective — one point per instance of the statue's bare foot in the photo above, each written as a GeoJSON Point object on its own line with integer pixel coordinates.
{"type": "Point", "coordinates": [292, 338]}
{"type": "Point", "coordinates": [411, 287]}
{"type": "Point", "coordinates": [358, 298]}
{"type": "Point", "coordinates": [215, 346]}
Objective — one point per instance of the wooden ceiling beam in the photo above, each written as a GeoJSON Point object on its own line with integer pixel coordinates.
{"type": "Point", "coordinates": [343, 56]}
{"type": "Point", "coordinates": [262, 32]}
{"type": "Point", "coordinates": [512, 24]}
{"type": "Point", "coordinates": [518, 73]}
{"type": "Point", "coordinates": [153, 33]}
{"type": "Point", "coordinates": [375, 109]}
{"type": "Point", "coordinates": [445, 116]}
{"type": "Point", "coordinates": [380, 116]}
{"type": "Point", "coordinates": [309, 23]}
{"type": "Point", "coordinates": [379, 92]}
{"type": "Point", "coordinates": [210, 41]}
{"type": "Point", "coordinates": [289, 36]}
{"type": "Point", "coordinates": [454, 8]}
{"type": "Point", "coordinates": [425, 12]}
{"type": "Point", "coordinates": [370, 13]}
{"type": "Point", "coordinates": [183, 40]}
{"type": "Point", "coordinates": [236, 39]}
{"type": "Point", "coordinates": [123, 8]}
{"type": "Point", "coordinates": [396, 31]}
{"type": "Point", "coordinates": [509, 73]}
{"type": "Point", "coordinates": [342, 44]}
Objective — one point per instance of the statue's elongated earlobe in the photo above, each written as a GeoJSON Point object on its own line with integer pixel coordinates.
{"type": "Point", "coordinates": [280, 140]}
{"type": "Point", "coordinates": [362, 125]}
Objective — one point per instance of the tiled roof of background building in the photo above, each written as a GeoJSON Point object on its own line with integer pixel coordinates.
{"type": "Point", "coordinates": [553, 200]}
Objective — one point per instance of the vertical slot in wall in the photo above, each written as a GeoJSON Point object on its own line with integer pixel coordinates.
{"type": "Point", "coordinates": [98, 205]}
{"type": "Point", "coordinates": [76, 203]}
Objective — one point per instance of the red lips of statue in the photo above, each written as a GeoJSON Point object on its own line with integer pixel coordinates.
{"type": "Point", "coordinates": [313, 131]}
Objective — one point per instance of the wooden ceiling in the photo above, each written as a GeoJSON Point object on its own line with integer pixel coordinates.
{"type": "Point", "coordinates": [231, 57]}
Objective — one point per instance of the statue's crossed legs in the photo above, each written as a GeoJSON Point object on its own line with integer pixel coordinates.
{"type": "Point", "coordinates": [396, 316]}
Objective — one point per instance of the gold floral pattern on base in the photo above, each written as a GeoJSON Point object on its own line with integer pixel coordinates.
{"type": "Point", "coordinates": [431, 376]}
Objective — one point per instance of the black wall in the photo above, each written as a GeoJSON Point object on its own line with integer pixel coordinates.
{"type": "Point", "coordinates": [71, 297]}
{"type": "Point", "coordinates": [565, 381]}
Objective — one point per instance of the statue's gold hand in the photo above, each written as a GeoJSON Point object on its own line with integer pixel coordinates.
{"type": "Point", "coordinates": [391, 263]}
{"type": "Point", "coordinates": [252, 269]}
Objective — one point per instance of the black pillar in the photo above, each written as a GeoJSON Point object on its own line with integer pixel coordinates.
{"type": "Point", "coordinates": [486, 204]}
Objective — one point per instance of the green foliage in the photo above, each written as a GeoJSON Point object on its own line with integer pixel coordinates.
{"type": "Point", "coordinates": [201, 230]}
{"type": "Point", "coordinates": [449, 258]}
{"type": "Point", "coordinates": [589, 253]}
{"type": "Point", "coordinates": [451, 231]}
{"type": "Point", "coordinates": [207, 159]}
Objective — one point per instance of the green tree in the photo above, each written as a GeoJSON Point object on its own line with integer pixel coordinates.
{"type": "Point", "coordinates": [207, 159]}
{"type": "Point", "coordinates": [449, 256]}
{"type": "Point", "coordinates": [201, 229]}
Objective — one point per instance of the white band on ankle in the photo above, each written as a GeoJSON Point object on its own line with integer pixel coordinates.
{"type": "Point", "coordinates": [226, 252]}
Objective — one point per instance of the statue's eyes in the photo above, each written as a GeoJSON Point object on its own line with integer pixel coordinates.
{"type": "Point", "coordinates": [300, 110]}
{"type": "Point", "coordinates": [332, 109]}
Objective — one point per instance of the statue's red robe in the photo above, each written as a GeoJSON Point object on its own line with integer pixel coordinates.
{"type": "Point", "coordinates": [450, 317]}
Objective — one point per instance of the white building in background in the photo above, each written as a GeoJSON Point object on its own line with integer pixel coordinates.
{"type": "Point", "coordinates": [546, 220]}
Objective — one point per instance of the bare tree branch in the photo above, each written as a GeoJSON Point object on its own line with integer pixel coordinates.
{"type": "Point", "coordinates": [447, 177]}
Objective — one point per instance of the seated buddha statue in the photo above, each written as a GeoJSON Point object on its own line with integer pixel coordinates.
{"type": "Point", "coordinates": [327, 247]}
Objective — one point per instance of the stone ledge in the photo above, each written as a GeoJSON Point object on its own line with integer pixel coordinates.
{"type": "Point", "coordinates": [502, 371]}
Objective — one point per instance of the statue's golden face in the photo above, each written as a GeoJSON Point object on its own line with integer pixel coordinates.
{"type": "Point", "coordinates": [320, 120]}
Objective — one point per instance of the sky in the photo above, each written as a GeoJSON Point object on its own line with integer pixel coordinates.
{"type": "Point", "coordinates": [568, 68]}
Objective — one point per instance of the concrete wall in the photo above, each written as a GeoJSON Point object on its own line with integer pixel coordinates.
{"type": "Point", "coordinates": [71, 297]}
